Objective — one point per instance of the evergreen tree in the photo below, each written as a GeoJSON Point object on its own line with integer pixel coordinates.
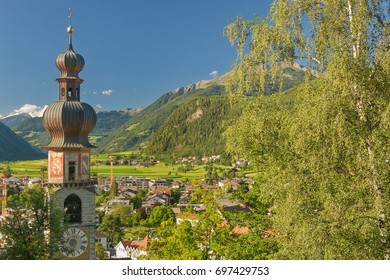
{"type": "Point", "coordinates": [113, 189]}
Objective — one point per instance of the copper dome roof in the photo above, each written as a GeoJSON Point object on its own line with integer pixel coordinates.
{"type": "Point", "coordinates": [70, 63]}
{"type": "Point", "coordinates": [68, 120]}
{"type": "Point", "coordinates": [69, 123]}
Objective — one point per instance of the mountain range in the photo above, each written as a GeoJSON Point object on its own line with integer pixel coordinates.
{"type": "Point", "coordinates": [15, 119]}
{"type": "Point", "coordinates": [141, 128]}
{"type": "Point", "coordinates": [185, 121]}
{"type": "Point", "coordinates": [14, 147]}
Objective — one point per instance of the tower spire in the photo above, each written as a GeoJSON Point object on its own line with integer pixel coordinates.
{"type": "Point", "coordinates": [70, 29]}
{"type": "Point", "coordinates": [70, 16]}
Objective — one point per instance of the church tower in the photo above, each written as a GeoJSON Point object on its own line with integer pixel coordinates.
{"type": "Point", "coordinates": [69, 122]}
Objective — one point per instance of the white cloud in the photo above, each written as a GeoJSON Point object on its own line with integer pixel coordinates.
{"type": "Point", "coordinates": [214, 73]}
{"type": "Point", "coordinates": [98, 106]}
{"type": "Point", "coordinates": [107, 92]}
{"type": "Point", "coordinates": [32, 110]}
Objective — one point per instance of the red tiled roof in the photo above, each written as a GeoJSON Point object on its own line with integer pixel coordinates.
{"type": "Point", "coordinates": [163, 190]}
{"type": "Point", "coordinates": [240, 230]}
{"type": "Point", "coordinates": [126, 243]}
{"type": "Point", "coordinates": [143, 244]}
{"type": "Point", "coordinates": [271, 233]}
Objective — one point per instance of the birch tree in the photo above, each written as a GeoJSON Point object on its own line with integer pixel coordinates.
{"type": "Point", "coordinates": [323, 161]}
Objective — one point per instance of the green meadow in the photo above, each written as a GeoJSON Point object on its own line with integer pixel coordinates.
{"type": "Point", "coordinates": [160, 170]}
{"type": "Point", "coordinates": [33, 168]}
{"type": "Point", "coordinates": [30, 168]}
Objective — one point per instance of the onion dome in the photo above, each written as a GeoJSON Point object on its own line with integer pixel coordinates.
{"type": "Point", "coordinates": [70, 63]}
{"type": "Point", "coordinates": [68, 120]}
{"type": "Point", "coordinates": [69, 123]}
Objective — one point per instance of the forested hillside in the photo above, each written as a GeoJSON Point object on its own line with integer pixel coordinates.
{"type": "Point", "coordinates": [194, 129]}
{"type": "Point", "coordinates": [33, 131]}
{"type": "Point", "coordinates": [141, 126]}
{"type": "Point", "coordinates": [13, 147]}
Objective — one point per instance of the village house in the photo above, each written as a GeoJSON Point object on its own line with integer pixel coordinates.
{"type": "Point", "coordinates": [189, 188]}
{"type": "Point", "coordinates": [233, 183]}
{"type": "Point", "coordinates": [177, 184]}
{"type": "Point", "coordinates": [234, 206]}
{"type": "Point", "coordinates": [131, 249]}
{"type": "Point", "coordinates": [116, 200]}
{"type": "Point", "coordinates": [121, 249]}
{"type": "Point", "coordinates": [102, 239]}
{"type": "Point", "coordinates": [139, 182]}
{"type": "Point", "coordinates": [163, 192]}
{"type": "Point", "coordinates": [129, 192]}
{"type": "Point", "coordinates": [151, 202]}
{"type": "Point", "coordinates": [160, 183]}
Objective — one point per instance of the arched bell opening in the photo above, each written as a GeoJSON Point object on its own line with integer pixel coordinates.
{"type": "Point", "coordinates": [72, 209]}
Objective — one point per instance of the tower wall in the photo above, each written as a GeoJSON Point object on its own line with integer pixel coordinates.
{"type": "Point", "coordinates": [88, 217]}
{"type": "Point", "coordinates": [61, 163]}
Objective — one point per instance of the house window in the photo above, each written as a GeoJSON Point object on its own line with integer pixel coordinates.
{"type": "Point", "coordinates": [72, 209]}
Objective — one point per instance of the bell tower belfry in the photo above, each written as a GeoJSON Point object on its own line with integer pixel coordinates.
{"type": "Point", "coordinates": [69, 122]}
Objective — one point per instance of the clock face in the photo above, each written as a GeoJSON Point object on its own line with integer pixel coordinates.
{"type": "Point", "coordinates": [75, 242]}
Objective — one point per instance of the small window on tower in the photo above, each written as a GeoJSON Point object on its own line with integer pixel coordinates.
{"type": "Point", "coordinates": [72, 171]}
{"type": "Point", "coordinates": [70, 92]}
{"type": "Point", "coordinates": [77, 92]}
{"type": "Point", "coordinates": [63, 92]}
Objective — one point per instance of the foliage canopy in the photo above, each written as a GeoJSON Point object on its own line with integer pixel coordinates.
{"type": "Point", "coordinates": [321, 149]}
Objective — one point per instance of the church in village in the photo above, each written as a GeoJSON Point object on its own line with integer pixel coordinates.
{"type": "Point", "coordinates": [69, 121]}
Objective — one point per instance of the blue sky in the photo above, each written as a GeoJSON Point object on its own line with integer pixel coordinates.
{"type": "Point", "coordinates": [135, 50]}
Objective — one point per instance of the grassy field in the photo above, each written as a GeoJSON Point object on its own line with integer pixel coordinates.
{"type": "Point", "coordinates": [33, 168]}
{"type": "Point", "coordinates": [160, 170]}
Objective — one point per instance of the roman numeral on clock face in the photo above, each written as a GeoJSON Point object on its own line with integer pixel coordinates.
{"type": "Point", "coordinates": [76, 241]}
